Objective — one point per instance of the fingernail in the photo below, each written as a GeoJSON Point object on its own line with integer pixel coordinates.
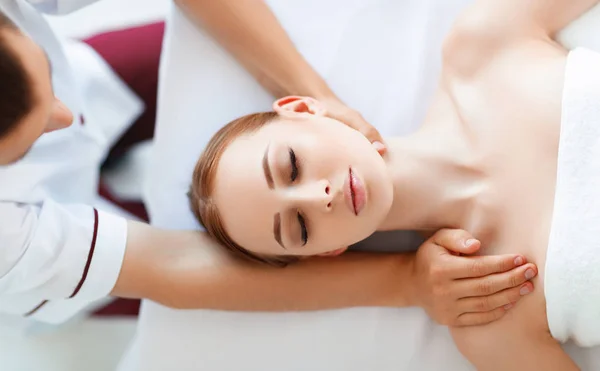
{"type": "Point", "coordinates": [529, 274]}
{"type": "Point", "coordinates": [508, 306]}
{"type": "Point", "coordinates": [519, 261]}
{"type": "Point", "coordinates": [378, 145]}
{"type": "Point", "coordinates": [470, 242]}
{"type": "Point", "coordinates": [524, 290]}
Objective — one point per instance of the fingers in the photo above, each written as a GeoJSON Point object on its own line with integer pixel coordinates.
{"type": "Point", "coordinates": [494, 283]}
{"type": "Point", "coordinates": [486, 309]}
{"type": "Point", "coordinates": [356, 121]}
{"type": "Point", "coordinates": [379, 147]}
{"type": "Point", "coordinates": [339, 111]}
{"type": "Point", "coordinates": [479, 266]}
{"type": "Point", "coordinates": [500, 299]}
{"type": "Point", "coordinates": [474, 319]}
{"type": "Point", "coordinates": [456, 240]}
{"type": "Point", "coordinates": [372, 135]}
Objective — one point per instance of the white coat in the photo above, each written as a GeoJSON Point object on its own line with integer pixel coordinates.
{"type": "Point", "coordinates": [57, 253]}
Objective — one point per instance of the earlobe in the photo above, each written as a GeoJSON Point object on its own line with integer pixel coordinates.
{"type": "Point", "coordinates": [295, 106]}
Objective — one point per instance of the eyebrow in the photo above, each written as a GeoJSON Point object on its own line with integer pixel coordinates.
{"type": "Point", "coordinates": [267, 169]}
{"type": "Point", "coordinates": [277, 216]}
{"type": "Point", "coordinates": [277, 229]}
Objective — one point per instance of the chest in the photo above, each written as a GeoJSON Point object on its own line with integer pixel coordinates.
{"type": "Point", "coordinates": [509, 117]}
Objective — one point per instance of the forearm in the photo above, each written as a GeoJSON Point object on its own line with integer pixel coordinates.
{"type": "Point", "coordinates": [354, 280]}
{"type": "Point", "coordinates": [251, 33]}
{"type": "Point", "coordinates": [187, 270]}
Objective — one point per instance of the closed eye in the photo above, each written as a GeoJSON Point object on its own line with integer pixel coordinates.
{"type": "Point", "coordinates": [294, 166]}
{"type": "Point", "coordinates": [303, 232]}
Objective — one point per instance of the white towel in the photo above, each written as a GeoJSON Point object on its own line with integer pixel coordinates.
{"type": "Point", "coordinates": [572, 278]}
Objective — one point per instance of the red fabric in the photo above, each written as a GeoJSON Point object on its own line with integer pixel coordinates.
{"type": "Point", "coordinates": [90, 257]}
{"type": "Point", "coordinates": [134, 55]}
{"type": "Point", "coordinates": [38, 307]}
{"type": "Point", "coordinates": [134, 207]}
{"type": "Point", "coordinates": [119, 307]}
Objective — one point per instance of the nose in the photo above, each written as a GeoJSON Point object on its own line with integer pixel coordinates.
{"type": "Point", "coordinates": [60, 118]}
{"type": "Point", "coordinates": [315, 195]}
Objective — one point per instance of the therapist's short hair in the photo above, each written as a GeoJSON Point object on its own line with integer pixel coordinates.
{"type": "Point", "coordinates": [16, 95]}
{"type": "Point", "coordinates": [203, 179]}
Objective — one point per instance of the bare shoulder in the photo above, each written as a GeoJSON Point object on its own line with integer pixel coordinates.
{"type": "Point", "coordinates": [527, 320]}
{"type": "Point", "coordinates": [476, 37]}
{"type": "Point", "coordinates": [522, 327]}
{"type": "Point", "coordinates": [519, 341]}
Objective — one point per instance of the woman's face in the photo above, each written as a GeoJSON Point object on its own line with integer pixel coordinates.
{"type": "Point", "coordinates": [301, 185]}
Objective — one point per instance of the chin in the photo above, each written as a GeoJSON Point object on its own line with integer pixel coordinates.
{"type": "Point", "coordinates": [364, 228]}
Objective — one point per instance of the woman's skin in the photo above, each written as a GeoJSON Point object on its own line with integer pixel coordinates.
{"type": "Point", "coordinates": [503, 70]}
{"type": "Point", "coordinates": [311, 189]}
{"type": "Point", "coordinates": [428, 278]}
{"type": "Point", "coordinates": [495, 117]}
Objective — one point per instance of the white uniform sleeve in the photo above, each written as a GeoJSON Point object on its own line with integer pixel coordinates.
{"type": "Point", "coordinates": [59, 6]}
{"type": "Point", "coordinates": [55, 259]}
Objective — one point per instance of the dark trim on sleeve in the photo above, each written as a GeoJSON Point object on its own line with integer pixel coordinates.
{"type": "Point", "coordinates": [90, 256]}
{"type": "Point", "coordinates": [31, 312]}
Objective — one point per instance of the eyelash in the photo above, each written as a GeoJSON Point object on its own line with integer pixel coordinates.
{"type": "Point", "coordinates": [294, 165]}
{"type": "Point", "coordinates": [293, 177]}
{"type": "Point", "coordinates": [303, 231]}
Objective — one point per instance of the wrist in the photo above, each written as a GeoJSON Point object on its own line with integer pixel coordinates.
{"type": "Point", "coordinates": [400, 282]}
{"type": "Point", "coordinates": [319, 90]}
{"type": "Point", "coordinates": [305, 81]}
{"type": "Point", "coordinates": [410, 278]}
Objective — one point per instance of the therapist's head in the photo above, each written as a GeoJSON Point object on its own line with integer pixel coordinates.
{"type": "Point", "coordinates": [280, 185]}
{"type": "Point", "coordinates": [28, 107]}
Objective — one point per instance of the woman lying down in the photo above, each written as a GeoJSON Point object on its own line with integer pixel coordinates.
{"type": "Point", "coordinates": [514, 133]}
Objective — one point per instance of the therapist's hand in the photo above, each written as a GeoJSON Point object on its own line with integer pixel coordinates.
{"type": "Point", "coordinates": [458, 290]}
{"type": "Point", "coordinates": [336, 109]}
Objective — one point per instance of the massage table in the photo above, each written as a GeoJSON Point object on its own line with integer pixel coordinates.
{"type": "Point", "coordinates": [352, 44]}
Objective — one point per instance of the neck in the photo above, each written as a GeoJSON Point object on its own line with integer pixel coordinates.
{"type": "Point", "coordinates": [435, 182]}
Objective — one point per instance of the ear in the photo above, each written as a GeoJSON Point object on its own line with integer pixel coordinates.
{"type": "Point", "coordinates": [60, 117]}
{"type": "Point", "coordinates": [334, 252]}
{"type": "Point", "coordinates": [295, 107]}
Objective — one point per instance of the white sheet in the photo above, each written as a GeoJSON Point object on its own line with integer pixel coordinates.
{"type": "Point", "coordinates": [382, 58]}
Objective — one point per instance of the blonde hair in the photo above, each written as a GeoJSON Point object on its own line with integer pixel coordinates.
{"type": "Point", "coordinates": [203, 181]}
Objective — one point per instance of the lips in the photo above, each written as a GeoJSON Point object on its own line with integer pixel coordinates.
{"type": "Point", "coordinates": [354, 193]}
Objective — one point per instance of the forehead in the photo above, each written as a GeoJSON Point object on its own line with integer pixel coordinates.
{"type": "Point", "coordinates": [242, 196]}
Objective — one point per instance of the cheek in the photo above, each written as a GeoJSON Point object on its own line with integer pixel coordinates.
{"type": "Point", "coordinates": [323, 153]}
{"type": "Point", "coordinates": [338, 142]}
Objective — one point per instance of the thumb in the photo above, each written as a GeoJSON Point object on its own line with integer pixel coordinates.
{"type": "Point", "coordinates": [470, 246]}
{"type": "Point", "coordinates": [370, 132]}
{"type": "Point", "coordinates": [379, 147]}
{"type": "Point", "coordinates": [457, 241]}
{"type": "Point", "coordinates": [374, 137]}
